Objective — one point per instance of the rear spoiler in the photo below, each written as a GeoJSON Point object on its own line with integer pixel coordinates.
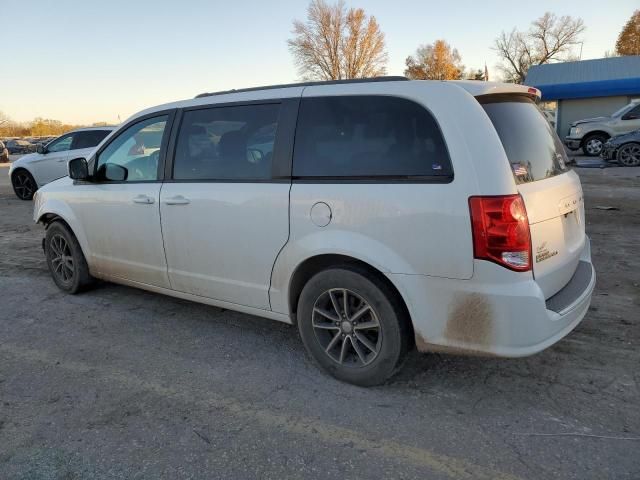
{"type": "Point", "coordinates": [480, 89]}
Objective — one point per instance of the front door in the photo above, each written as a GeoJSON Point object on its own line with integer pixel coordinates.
{"type": "Point", "coordinates": [629, 122]}
{"type": "Point", "coordinates": [120, 210]}
{"type": "Point", "coordinates": [224, 215]}
{"type": "Point", "coordinates": [52, 165]}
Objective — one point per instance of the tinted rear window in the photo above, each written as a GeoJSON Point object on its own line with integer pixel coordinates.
{"type": "Point", "coordinates": [88, 138]}
{"type": "Point", "coordinates": [532, 146]}
{"type": "Point", "coordinates": [368, 136]}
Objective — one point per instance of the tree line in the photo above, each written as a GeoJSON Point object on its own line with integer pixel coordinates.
{"type": "Point", "coordinates": [336, 42]}
{"type": "Point", "coordinates": [39, 127]}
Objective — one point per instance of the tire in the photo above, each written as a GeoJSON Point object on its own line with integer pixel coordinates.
{"type": "Point", "coordinates": [371, 354]}
{"type": "Point", "coordinates": [24, 186]}
{"type": "Point", "coordinates": [629, 155]}
{"type": "Point", "coordinates": [65, 259]}
{"type": "Point", "coordinates": [592, 144]}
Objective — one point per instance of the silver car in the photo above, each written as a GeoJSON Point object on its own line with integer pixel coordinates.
{"type": "Point", "coordinates": [590, 134]}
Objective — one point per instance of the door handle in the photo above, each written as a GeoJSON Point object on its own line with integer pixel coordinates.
{"type": "Point", "coordinates": [144, 199]}
{"type": "Point", "coordinates": [177, 200]}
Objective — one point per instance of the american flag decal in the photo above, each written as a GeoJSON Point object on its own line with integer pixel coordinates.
{"type": "Point", "coordinates": [519, 170]}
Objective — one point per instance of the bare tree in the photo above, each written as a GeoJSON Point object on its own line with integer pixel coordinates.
{"type": "Point", "coordinates": [335, 43]}
{"type": "Point", "coordinates": [4, 118]}
{"type": "Point", "coordinates": [550, 38]}
{"type": "Point", "coordinates": [435, 62]}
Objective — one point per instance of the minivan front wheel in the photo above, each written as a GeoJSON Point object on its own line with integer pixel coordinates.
{"type": "Point", "coordinates": [352, 326]}
{"type": "Point", "coordinates": [592, 144]}
{"type": "Point", "coordinates": [65, 259]}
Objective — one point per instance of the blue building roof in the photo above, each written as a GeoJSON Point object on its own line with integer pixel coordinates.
{"type": "Point", "coordinates": [602, 77]}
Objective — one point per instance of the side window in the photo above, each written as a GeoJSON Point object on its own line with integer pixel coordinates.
{"type": "Point", "coordinates": [368, 136]}
{"type": "Point", "coordinates": [221, 143]}
{"type": "Point", "coordinates": [62, 144]}
{"type": "Point", "coordinates": [88, 139]}
{"type": "Point", "coordinates": [632, 114]}
{"type": "Point", "coordinates": [137, 149]}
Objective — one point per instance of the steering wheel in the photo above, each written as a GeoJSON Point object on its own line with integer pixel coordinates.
{"type": "Point", "coordinates": [150, 165]}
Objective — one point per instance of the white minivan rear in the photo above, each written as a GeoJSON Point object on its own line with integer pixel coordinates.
{"type": "Point", "coordinates": [552, 194]}
{"type": "Point", "coordinates": [532, 277]}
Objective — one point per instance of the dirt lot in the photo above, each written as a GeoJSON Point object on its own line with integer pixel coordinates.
{"type": "Point", "coordinates": [119, 383]}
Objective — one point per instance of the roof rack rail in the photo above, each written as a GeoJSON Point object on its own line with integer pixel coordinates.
{"type": "Point", "coordinates": [308, 84]}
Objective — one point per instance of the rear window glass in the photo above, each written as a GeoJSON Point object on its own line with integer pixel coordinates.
{"type": "Point", "coordinates": [532, 146]}
{"type": "Point", "coordinates": [368, 136]}
{"type": "Point", "coordinates": [88, 139]}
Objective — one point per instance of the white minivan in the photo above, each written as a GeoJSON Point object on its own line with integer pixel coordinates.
{"type": "Point", "coordinates": [49, 162]}
{"type": "Point", "coordinates": [377, 215]}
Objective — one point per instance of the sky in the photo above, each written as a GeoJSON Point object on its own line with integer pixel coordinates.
{"type": "Point", "coordinates": [83, 61]}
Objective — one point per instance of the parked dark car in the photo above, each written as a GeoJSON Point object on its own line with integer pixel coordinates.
{"type": "Point", "coordinates": [623, 148]}
{"type": "Point", "coordinates": [20, 146]}
{"type": "Point", "coordinates": [4, 153]}
{"type": "Point", "coordinates": [38, 141]}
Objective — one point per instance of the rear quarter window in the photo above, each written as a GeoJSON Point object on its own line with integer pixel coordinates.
{"type": "Point", "coordinates": [532, 146]}
{"type": "Point", "coordinates": [368, 136]}
{"type": "Point", "coordinates": [88, 139]}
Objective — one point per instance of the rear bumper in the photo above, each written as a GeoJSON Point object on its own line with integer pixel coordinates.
{"type": "Point", "coordinates": [505, 314]}
{"type": "Point", "coordinates": [572, 143]}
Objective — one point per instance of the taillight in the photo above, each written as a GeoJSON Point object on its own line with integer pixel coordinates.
{"type": "Point", "coordinates": [501, 231]}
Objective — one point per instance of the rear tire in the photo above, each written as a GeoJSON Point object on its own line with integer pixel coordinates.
{"type": "Point", "coordinates": [65, 259]}
{"type": "Point", "coordinates": [364, 343]}
{"type": "Point", "coordinates": [592, 144]}
{"type": "Point", "coordinates": [24, 186]}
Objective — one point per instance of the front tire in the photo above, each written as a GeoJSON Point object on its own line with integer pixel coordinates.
{"type": "Point", "coordinates": [592, 144]}
{"type": "Point", "coordinates": [24, 186]}
{"type": "Point", "coordinates": [65, 259]}
{"type": "Point", "coordinates": [629, 155]}
{"type": "Point", "coordinates": [353, 326]}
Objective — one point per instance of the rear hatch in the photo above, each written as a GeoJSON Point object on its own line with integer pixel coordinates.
{"type": "Point", "coordinates": [551, 192]}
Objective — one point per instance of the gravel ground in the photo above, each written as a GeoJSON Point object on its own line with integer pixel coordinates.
{"type": "Point", "coordinates": [120, 383]}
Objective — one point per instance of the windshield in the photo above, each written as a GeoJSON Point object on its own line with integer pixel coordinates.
{"type": "Point", "coordinates": [623, 109]}
{"type": "Point", "coordinates": [532, 146]}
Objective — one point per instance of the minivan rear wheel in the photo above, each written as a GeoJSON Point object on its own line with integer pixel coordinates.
{"type": "Point", "coordinates": [592, 144]}
{"type": "Point", "coordinates": [352, 326]}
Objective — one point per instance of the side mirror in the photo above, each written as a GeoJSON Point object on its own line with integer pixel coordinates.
{"type": "Point", "coordinates": [112, 172]}
{"type": "Point", "coordinates": [78, 169]}
{"type": "Point", "coordinates": [41, 149]}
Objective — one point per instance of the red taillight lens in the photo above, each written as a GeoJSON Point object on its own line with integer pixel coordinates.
{"type": "Point", "coordinates": [501, 231]}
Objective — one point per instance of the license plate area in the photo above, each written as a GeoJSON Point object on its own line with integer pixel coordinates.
{"type": "Point", "coordinates": [570, 203]}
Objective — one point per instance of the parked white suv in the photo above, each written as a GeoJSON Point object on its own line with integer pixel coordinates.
{"type": "Point", "coordinates": [376, 215]}
{"type": "Point", "coordinates": [49, 162]}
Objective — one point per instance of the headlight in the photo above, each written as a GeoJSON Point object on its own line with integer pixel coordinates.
{"type": "Point", "coordinates": [575, 131]}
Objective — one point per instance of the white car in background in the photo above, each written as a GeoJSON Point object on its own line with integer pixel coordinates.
{"type": "Point", "coordinates": [377, 215]}
{"type": "Point", "coordinates": [49, 163]}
